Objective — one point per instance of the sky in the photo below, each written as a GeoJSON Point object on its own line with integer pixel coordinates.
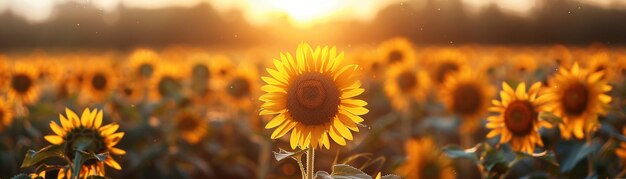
{"type": "Point", "coordinates": [301, 13]}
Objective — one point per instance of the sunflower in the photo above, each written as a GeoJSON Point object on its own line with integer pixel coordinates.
{"type": "Point", "coordinates": [200, 74]}
{"type": "Point", "coordinates": [577, 96]}
{"type": "Point", "coordinates": [6, 115]}
{"type": "Point", "coordinates": [241, 86]}
{"type": "Point", "coordinates": [405, 84]}
{"type": "Point", "coordinates": [130, 92]}
{"type": "Point", "coordinates": [518, 120]}
{"type": "Point", "coordinates": [143, 63]}
{"type": "Point", "coordinates": [191, 127]}
{"type": "Point", "coordinates": [601, 61]}
{"type": "Point", "coordinates": [99, 81]}
{"type": "Point", "coordinates": [425, 160]}
{"type": "Point", "coordinates": [75, 132]}
{"type": "Point", "coordinates": [523, 64]}
{"type": "Point", "coordinates": [396, 50]}
{"type": "Point", "coordinates": [166, 83]}
{"type": "Point", "coordinates": [467, 95]}
{"type": "Point", "coordinates": [23, 84]}
{"type": "Point", "coordinates": [444, 63]}
{"type": "Point", "coordinates": [558, 56]}
{"type": "Point", "coordinates": [221, 66]}
{"type": "Point", "coordinates": [313, 97]}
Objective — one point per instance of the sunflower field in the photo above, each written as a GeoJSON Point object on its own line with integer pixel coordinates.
{"type": "Point", "coordinates": [387, 110]}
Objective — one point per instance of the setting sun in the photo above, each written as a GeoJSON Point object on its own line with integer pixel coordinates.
{"type": "Point", "coordinates": [307, 12]}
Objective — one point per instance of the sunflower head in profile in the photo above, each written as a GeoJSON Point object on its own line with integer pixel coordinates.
{"type": "Point", "coordinates": [6, 115]}
{"type": "Point", "coordinates": [99, 81]}
{"type": "Point", "coordinates": [22, 84]}
{"type": "Point", "coordinates": [467, 94]}
{"type": "Point", "coordinates": [396, 50]}
{"type": "Point", "coordinates": [166, 83]}
{"type": "Point", "coordinates": [86, 134]}
{"type": "Point", "coordinates": [444, 63]}
{"type": "Point", "coordinates": [577, 96]}
{"type": "Point", "coordinates": [191, 127]}
{"type": "Point", "coordinates": [425, 160]}
{"type": "Point", "coordinates": [405, 84]}
{"type": "Point", "coordinates": [313, 97]}
{"type": "Point", "coordinates": [517, 117]}
{"type": "Point", "coordinates": [143, 63]}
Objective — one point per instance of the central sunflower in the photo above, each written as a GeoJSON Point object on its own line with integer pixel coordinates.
{"type": "Point", "coordinates": [518, 120]}
{"type": "Point", "coordinates": [312, 95]}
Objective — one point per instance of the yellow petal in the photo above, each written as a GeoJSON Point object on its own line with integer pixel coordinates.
{"type": "Point", "coordinates": [67, 125]}
{"type": "Point", "coordinates": [520, 92]}
{"type": "Point", "coordinates": [352, 93]}
{"type": "Point", "coordinates": [57, 129]}
{"type": "Point", "coordinates": [335, 136]}
{"type": "Point", "coordinates": [112, 163]}
{"type": "Point", "coordinates": [109, 129]}
{"type": "Point", "coordinates": [295, 137]}
{"type": "Point", "coordinates": [98, 121]}
{"type": "Point", "coordinates": [113, 139]}
{"type": "Point", "coordinates": [117, 151]}
{"type": "Point", "coordinates": [343, 130]}
{"type": "Point", "coordinates": [54, 139]}
{"type": "Point", "coordinates": [283, 129]}
{"type": "Point", "coordinates": [278, 120]}
{"type": "Point", "coordinates": [86, 118]}
{"type": "Point", "coordinates": [356, 110]}
{"type": "Point", "coordinates": [353, 102]}
{"type": "Point", "coordinates": [72, 117]}
{"type": "Point", "coordinates": [494, 133]}
{"type": "Point", "coordinates": [506, 88]}
{"type": "Point", "coordinates": [273, 89]}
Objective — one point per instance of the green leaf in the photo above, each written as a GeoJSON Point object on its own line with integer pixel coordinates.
{"type": "Point", "coordinates": [342, 171]}
{"type": "Point", "coordinates": [494, 161]}
{"type": "Point", "coordinates": [44, 167]}
{"type": "Point", "coordinates": [33, 157]}
{"type": "Point", "coordinates": [548, 116]}
{"type": "Point", "coordinates": [578, 152]}
{"type": "Point", "coordinates": [322, 175]}
{"type": "Point", "coordinates": [456, 152]}
{"type": "Point", "coordinates": [283, 154]}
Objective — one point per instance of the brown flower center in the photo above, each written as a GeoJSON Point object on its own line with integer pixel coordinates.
{"type": "Point", "coordinates": [21, 83]}
{"type": "Point", "coordinates": [99, 81]}
{"type": "Point", "coordinates": [519, 117]}
{"type": "Point", "coordinates": [168, 86]}
{"type": "Point", "coordinates": [239, 87]}
{"type": "Point", "coordinates": [312, 98]}
{"type": "Point", "coordinates": [146, 70]}
{"type": "Point", "coordinates": [444, 70]}
{"type": "Point", "coordinates": [395, 56]}
{"type": "Point", "coordinates": [406, 81]}
{"type": "Point", "coordinates": [127, 91]}
{"type": "Point", "coordinates": [575, 99]}
{"type": "Point", "coordinates": [467, 99]}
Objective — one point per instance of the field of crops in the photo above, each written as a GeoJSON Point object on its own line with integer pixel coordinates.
{"type": "Point", "coordinates": [386, 110]}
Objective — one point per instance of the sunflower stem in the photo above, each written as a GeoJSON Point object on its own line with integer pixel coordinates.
{"type": "Point", "coordinates": [302, 170]}
{"type": "Point", "coordinates": [310, 156]}
{"type": "Point", "coordinates": [77, 164]}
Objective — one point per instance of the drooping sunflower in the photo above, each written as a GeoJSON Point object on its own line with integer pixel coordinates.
{"type": "Point", "coordinates": [425, 161]}
{"type": "Point", "coordinates": [396, 50]}
{"type": "Point", "coordinates": [86, 134]}
{"type": "Point", "coordinates": [313, 97]}
{"type": "Point", "coordinates": [467, 95]}
{"type": "Point", "coordinates": [517, 119]}
{"type": "Point", "coordinates": [405, 84]}
{"type": "Point", "coordinates": [577, 96]}
{"type": "Point", "coordinates": [444, 63]}
{"type": "Point", "coordinates": [166, 83]}
{"type": "Point", "coordinates": [6, 115]}
{"type": "Point", "coordinates": [191, 127]}
{"type": "Point", "coordinates": [23, 84]}
{"type": "Point", "coordinates": [99, 81]}
{"type": "Point", "coordinates": [143, 63]}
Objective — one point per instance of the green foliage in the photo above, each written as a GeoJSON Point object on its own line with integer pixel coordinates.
{"type": "Point", "coordinates": [34, 157]}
